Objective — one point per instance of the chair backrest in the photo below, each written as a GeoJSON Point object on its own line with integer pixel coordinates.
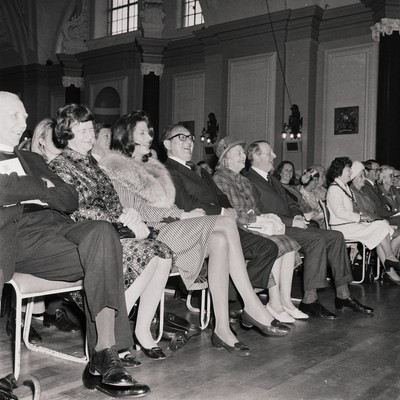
{"type": "Point", "coordinates": [325, 211]}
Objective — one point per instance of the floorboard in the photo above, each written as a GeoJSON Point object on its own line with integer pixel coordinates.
{"type": "Point", "coordinates": [355, 357]}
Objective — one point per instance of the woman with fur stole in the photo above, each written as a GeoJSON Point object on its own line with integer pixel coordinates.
{"type": "Point", "coordinates": [144, 184]}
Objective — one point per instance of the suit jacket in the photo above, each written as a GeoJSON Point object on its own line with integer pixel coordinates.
{"type": "Point", "coordinates": [195, 192]}
{"type": "Point", "coordinates": [32, 229]}
{"type": "Point", "coordinates": [271, 197]}
{"type": "Point", "coordinates": [383, 209]}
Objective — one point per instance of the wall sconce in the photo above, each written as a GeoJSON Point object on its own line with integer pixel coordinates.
{"type": "Point", "coordinates": [210, 134]}
{"type": "Point", "coordinates": [292, 129]}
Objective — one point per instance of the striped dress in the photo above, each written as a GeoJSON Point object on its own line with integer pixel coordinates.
{"type": "Point", "coordinates": [189, 239]}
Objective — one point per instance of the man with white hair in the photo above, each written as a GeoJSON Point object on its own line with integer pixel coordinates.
{"type": "Point", "coordinates": [38, 238]}
{"type": "Point", "coordinates": [319, 246]}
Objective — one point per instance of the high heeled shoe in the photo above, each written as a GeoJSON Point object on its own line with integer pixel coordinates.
{"type": "Point", "coordinates": [392, 276]}
{"type": "Point", "coordinates": [238, 349]}
{"type": "Point", "coordinates": [275, 329]}
{"type": "Point", "coordinates": [392, 264]}
{"type": "Point", "coordinates": [282, 316]}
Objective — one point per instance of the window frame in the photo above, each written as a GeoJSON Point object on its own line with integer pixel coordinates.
{"type": "Point", "coordinates": [129, 6]}
{"type": "Point", "coordinates": [187, 15]}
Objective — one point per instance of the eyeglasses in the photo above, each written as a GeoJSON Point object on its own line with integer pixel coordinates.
{"type": "Point", "coordinates": [183, 137]}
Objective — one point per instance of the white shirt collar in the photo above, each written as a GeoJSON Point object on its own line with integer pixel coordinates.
{"type": "Point", "coordinates": [8, 149]}
{"type": "Point", "coordinates": [179, 161]}
{"type": "Point", "coordinates": [262, 173]}
{"type": "Point", "coordinates": [371, 182]}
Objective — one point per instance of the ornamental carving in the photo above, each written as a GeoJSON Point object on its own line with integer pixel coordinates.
{"type": "Point", "coordinates": [146, 68]}
{"type": "Point", "coordinates": [72, 80]}
{"type": "Point", "coordinates": [151, 18]}
{"type": "Point", "coordinates": [385, 27]}
{"type": "Point", "coordinates": [76, 31]}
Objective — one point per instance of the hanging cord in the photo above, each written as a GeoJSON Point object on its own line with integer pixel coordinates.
{"type": "Point", "coordinates": [279, 58]}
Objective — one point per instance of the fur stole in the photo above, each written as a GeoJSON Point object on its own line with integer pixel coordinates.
{"type": "Point", "coordinates": [150, 180]}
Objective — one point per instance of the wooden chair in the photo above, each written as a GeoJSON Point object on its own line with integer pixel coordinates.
{"type": "Point", "coordinates": [365, 253]}
{"type": "Point", "coordinates": [29, 287]}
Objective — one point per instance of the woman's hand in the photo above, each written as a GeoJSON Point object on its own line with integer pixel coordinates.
{"type": "Point", "coordinates": [197, 212]}
{"type": "Point", "coordinates": [365, 218]}
{"type": "Point", "coordinates": [141, 230]}
{"type": "Point", "coordinates": [130, 217]}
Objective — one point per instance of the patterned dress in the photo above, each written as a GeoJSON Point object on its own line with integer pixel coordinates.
{"type": "Point", "coordinates": [145, 186]}
{"type": "Point", "coordinates": [98, 200]}
{"type": "Point", "coordinates": [239, 192]}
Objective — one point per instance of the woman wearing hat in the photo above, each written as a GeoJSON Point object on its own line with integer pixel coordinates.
{"type": "Point", "coordinates": [238, 189]}
{"type": "Point", "coordinates": [347, 217]}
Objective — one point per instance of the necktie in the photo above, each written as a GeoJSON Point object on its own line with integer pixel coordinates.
{"type": "Point", "coordinates": [194, 167]}
{"type": "Point", "coordinates": [191, 165]}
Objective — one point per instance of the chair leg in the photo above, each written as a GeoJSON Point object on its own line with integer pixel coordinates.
{"type": "Point", "coordinates": [45, 350]}
{"type": "Point", "coordinates": [205, 312]}
{"type": "Point", "coordinates": [364, 266]}
{"type": "Point", "coordinates": [161, 323]}
{"type": "Point", "coordinates": [17, 344]}
{"type": "Point", "coordinates": [189, 303]}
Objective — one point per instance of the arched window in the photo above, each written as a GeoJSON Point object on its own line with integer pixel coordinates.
{"type": "Point", "coordinates": [122, 16]}
{"type": "Point", "coordinates": [192, 13]}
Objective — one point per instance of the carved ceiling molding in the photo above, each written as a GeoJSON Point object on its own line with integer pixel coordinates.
{"type": "Point", "coordinates": [385, 27]}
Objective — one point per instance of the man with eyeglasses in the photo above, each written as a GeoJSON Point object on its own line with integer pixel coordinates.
{"type": "Point", "coordinates": [370, 188]}
{"type": "Point", "coordinates": [195, 188]}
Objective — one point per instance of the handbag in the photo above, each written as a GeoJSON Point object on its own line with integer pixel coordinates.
{"type": "Point", "coordinates": [125, 233]}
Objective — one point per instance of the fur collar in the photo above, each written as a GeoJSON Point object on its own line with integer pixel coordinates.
{"type": "Point", "coordinates": [151, 180]}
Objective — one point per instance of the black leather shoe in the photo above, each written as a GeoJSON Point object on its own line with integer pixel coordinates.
{"type": "Point", "coordinates": [155, 353]}
{"type": "Point", "coordinates": [33, 338]}
{"type": "Point", "coordinates": [392, 264]}
{"type": "Point", "coordinates": [354, 304]}
{"type": "Point", "coordinates": [107, 364]}
{"type": "Point", "coordinates": [316, 309]}
{"type": "Point", "coordinates": [275, 329]}
{"type": "Point", "coordinates": [61, 321]}
{"type": "Point", "coordinates": [239, 349]}
{"type": "Point", "coordinates": [129, 361]}
{"type": "Point", "coordinates": [93, 382]}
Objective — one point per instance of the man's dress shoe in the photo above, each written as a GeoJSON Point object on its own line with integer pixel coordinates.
{"type": "Point", "coordinates": [34, 336]}
{"type": "Point", "coordinates": [61, 321]}
{"type": "Point", "coordinates": [354, 304]}
{"type": "Point", "coordinates": [92, 382]}
{"type": "Point", "coordinates": [107, 364]}
{"type": "Point", "coordinates": [316, 309]}
{"type": "Point", "coordinates": [155, 353]}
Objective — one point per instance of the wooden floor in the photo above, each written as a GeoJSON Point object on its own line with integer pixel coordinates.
{"type": "Point", "coordinates": [354, 357]}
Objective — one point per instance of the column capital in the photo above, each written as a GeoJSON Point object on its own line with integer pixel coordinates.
{"type": "Point", "coordinates": [73, 80]}
{"type": "Point", "coordinates": [385, 27]}
{"type": "Point", "coordinates": [146, 68]}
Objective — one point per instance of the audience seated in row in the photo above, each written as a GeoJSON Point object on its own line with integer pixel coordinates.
{"type": "Point", "coordinates": [119, 181]}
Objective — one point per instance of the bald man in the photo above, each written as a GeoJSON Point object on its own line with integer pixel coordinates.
{"type": "Point", "coordinates": [37, 237]}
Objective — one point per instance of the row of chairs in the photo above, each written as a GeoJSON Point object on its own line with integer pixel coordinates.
{"type": "Point", "coordinates": [29, 287]}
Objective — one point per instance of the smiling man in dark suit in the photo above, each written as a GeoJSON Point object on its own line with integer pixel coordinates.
{"type": "Point", "coordinates": [38, 238]}
{"type": "Point", "coordinates": [319, 246]}
{"type": "Point", "coordinates": [196, 189]}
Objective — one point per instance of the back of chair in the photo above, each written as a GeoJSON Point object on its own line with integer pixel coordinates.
{"type": "Point", "coordinates": [325, 211]}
